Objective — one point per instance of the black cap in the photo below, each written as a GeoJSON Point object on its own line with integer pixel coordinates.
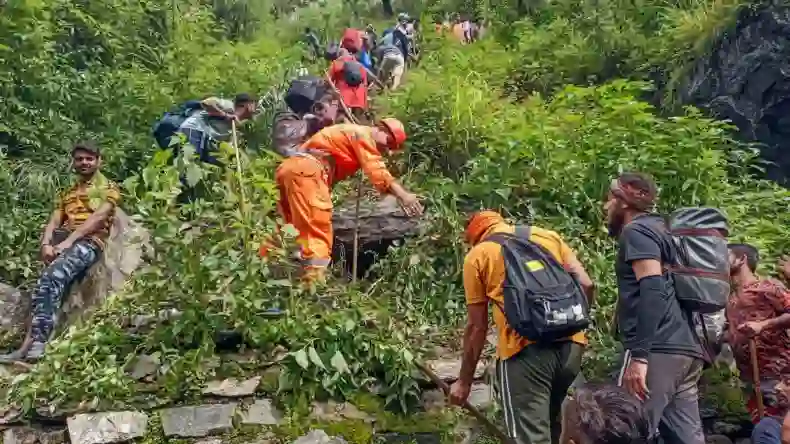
{"type": "Point", "coordinates": [242, 99]}
{"type": "Point", "coordinates": [86, 145]}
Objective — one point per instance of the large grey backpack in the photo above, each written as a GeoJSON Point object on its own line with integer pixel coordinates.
{"type": "Point", "coordinates": [701, 266]}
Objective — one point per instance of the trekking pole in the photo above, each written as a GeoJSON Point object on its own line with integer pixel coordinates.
{"type": "Point", "coordinates": [355, 251]}
{"type": "Point", "coordinates": [243, 203]}
{"type": "Point", "coordinates": [376, 79]}
{"type": "Point", "coordinates": [477, 414]}
{"type": "Point", "coordinates": [756, 377]}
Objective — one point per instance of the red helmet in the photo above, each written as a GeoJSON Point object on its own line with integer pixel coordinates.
{"type": "Point", "coordinates": [395, 128]}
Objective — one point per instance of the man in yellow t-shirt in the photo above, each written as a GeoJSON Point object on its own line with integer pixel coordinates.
{"type": "Point", "coordinates": [532, 379]}
{"type": "Point", "coordinates": [84, 215]}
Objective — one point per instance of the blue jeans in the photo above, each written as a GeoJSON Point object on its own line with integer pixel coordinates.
{"type": "Point", "coordinates": [56, 281]}
{"type": "Point", "coordinates": [767, 431]}
{"type": "Point", "coordinates": [204, 146]}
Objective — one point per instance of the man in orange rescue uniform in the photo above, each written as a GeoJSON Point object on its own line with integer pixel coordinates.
{"type": "Point", "coordinates": [532, 378]}
{"type": "Point", "coordinates": [329, 156]}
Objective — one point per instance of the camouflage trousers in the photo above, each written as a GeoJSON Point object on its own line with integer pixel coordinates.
{"type": "Point", "coordinates": [56, 281]}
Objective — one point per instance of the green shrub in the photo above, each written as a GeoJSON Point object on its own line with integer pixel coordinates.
{"type": "Point", "coordinates": [547, 158]}
{"type": "Point", "coordinates": [552, 161]}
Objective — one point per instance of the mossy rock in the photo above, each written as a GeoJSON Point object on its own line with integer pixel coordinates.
{"type": "Point", "coordinates": [722, 395]}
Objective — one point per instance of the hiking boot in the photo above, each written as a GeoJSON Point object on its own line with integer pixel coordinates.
{"type": "Point", "coordinates": [36, 351]}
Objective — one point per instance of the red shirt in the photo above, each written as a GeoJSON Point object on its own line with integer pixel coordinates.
{"type": "Point", "coordinates": [761, 300]}
{"type": "Point", "coordinates": [353, 96]}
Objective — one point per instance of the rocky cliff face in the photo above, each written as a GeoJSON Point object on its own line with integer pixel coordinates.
{"type": "Point", "coordinates": [746, 79]}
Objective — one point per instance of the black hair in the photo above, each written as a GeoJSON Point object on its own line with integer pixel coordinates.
{"type": "Point", "coordinates": [641, 182]}
{"type": "Point", "coordinates": [751, 253]}
{"type": "Point", "coordinates": [243, 99]}
{"type": "Point", "coordinates": [607, 414]}
{"type": "Point", "coordinates": [87, 146]}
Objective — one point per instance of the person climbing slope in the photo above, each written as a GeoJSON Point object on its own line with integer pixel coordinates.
{"type": "Point", "coordinates": [533, 375]}
{"type": "Point", "coordinates": [333, 154]}
{"type": "Point", "coordinates": [351, 80]}
{"type": "Point", "coordinates": [312, 42]}
{"type": "Point", "coordinates": [391, 65]}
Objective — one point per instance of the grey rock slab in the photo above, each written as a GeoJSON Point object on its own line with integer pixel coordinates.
{"type": "Point", "coordinates": [376, 220]}
{"type": "Point", "coordinates": [481, 396]}
{"type": "Point", "coordinates": [232, 387]}
{"type": "Point", "coordinates": [266, 438]}
{"type": "Point", "coordinates": [407, 438]}
{"type": "Point", "coordinates": [447, 369]}
{"type": "Point", "coordinates": [14, 309]}
{"type": "Point", "coordinates": [467, 432]}
{"type": "Point", "coordinates": [29, 435]}
{"type": "Point", "coordinates": [144, 365]}
{"type": "Point", "coordinates": [318, 437]}
{"type": "Point", "coordinates": [10, 414]}
{"type": "Point", "coordinates": [262, 412]}
{"type": "Point", "coordinates": [209, 441]}
{"type": "Point", "coordinates": [433, 400]}
{"type": "Point", "coordinates": [106, 428]}
{"type": "Point", "coordinates": [332, 411]}
{"type": "Point", "coordinates": [198, 421]}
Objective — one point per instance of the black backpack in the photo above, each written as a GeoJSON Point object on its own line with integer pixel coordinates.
{"type": "Point", "coordinates": [171, 121]}
{"type": "Point", "coordinates": [332, 51]}
{"type": "Point", "coordinates": [303, 93]}
{"type": "Point", "coordinates": [543, 302]}
{"type": "Point", "coordinates": [352, 73]}
{"type": "Point", "coordinates": [701, 266]}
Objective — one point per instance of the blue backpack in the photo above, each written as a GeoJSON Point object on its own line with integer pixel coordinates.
{"type": "Point", "coordinates": [364, 59]}
{"type": "Point", "coordinates": [167, 126]}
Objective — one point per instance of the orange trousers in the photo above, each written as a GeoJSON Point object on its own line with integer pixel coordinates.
{"type": "Point", "coordinates": [306, 203]}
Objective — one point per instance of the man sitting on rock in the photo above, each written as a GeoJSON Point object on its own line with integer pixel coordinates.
{"type": "Point", "coordinates": [83, 216]}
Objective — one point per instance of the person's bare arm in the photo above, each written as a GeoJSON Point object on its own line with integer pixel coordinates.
{"type": "Point", "coordinates": [646, 267]}
{"type": "Point", "coordinates": [91, 225]}
{"type": "Point", "coordinates": [780, 301]}
{"type": "Point", "coordinates": [55, 221]}
{"type": "Point", "coordinates": [576, 268]}
{"type": "Point", "coordinates": [474, 340]}
{"type": "Point", "coordinates": [781, 322]}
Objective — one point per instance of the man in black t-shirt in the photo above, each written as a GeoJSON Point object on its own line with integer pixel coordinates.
{"type": "Point", "coordinates": [663, 355]}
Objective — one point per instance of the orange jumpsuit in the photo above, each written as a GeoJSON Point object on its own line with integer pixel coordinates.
{"type": "Point", "coordinates": [304, 181]}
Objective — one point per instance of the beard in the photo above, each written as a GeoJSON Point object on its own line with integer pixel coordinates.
{"type": "Point", "coordinates": [616, 222]}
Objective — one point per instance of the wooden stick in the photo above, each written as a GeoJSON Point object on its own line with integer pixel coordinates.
{"type": "Point", "coordinates": [375, 77]}
{"type": "Point", "coordinates": [340, 99]}
{"type": "Point", "coordinates": [243, 204]}
{"type": "Point", "coordinates": [477, 414]}
{"type": "Point", "coordinates": [355, 259]}
{"type": "Point", "coordinates": [355, 251]}
{"type": "Point", "coordinates": [756, 377]}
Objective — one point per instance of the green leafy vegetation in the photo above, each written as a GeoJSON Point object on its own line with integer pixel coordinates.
{"type": "Point", "coordinates": [534, 121]}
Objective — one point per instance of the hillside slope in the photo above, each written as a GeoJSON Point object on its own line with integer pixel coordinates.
{"type": "Point", "coordinates": [547, 158]}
